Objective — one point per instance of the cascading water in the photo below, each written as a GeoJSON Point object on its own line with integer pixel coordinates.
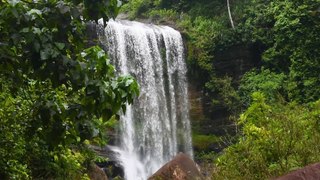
{"type": "Point", "coordinates": [156, 127]}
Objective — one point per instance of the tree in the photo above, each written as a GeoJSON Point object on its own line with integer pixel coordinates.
{"type": "Point", "coordinates": [56, 94]}
{"type": "Point", "coordinates": [230, 16]}
{"type": "Point", "coordinates": [289, 32]}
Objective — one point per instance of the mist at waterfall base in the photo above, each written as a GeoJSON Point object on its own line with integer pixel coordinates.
{"type": "Point", "coordinates": [156, 126]}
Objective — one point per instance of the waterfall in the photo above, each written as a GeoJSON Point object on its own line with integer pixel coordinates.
{"type": "Point", "coordinates": [156, 126]}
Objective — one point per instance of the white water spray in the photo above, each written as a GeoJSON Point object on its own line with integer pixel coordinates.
{"type": "Point", "coordinates": [156, 127]}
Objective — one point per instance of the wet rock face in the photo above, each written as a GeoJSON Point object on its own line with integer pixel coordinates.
{"type": "Point", "coordinates": [180, 168]}
{"type": "Point", "coordinates": [311, 172]}
{"type": "Point", "coordinates": [214, 119]}
{"type": "Point", "coordinates": [235, 61]}
{"type": "Point", "coordinates": [111, 168]}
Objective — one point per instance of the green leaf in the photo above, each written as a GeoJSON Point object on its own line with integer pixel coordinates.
{"type": "Point", "coordinates": [13, 2]}
{"type": "Point", "coordinates": [25, 30]}
{"type": "Point", "coordinates": [44, 54]}
{"type": "Point", "coordinates": [63, 8]}
{"type": "Point", "coordinates": [60, 45]}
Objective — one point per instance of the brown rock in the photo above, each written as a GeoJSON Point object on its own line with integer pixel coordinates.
{"type": "Point", "coordinates": [311, 172]}
{"type": "Point", "coordinates": [96, 173]}
{"type": "Point", "coordinates": [180, 168]}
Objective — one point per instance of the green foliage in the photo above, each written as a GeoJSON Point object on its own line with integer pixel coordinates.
{"type": "Point", "coordinates": [163, 15]}
{"type": "Point", "coordinates": [276, 138]}
{"type": "Point", "coordinates": [264, 81]}
{"type": "Point", "coordinates": [133, 8]}
{"type": "Point", "coordinates": [56, 94]}
{"type": "Point", "coordinates": [139, 8]}
{"type": "Point", "coordinates": [201, 34]}
{"type": "Point", "coordinates": [206, 157]}
{"type": "Point", "coordinates": [289, 31]}
{"type": "Point", "coordinates": [202, 142]}
{"type": "Point", "coordinates": [12, 143]}
{"type": "Point", "coordinates": [223, 93]}
{"type": "Point", "coordinates": [68, 163]}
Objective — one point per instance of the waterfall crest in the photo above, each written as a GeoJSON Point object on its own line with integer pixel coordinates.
{"type": "Point", "coordinates": [156, 127]}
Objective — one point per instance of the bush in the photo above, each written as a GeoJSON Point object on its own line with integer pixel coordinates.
{"type": "Point", "coordinates": [202, 142]}
{"type": "Point", "coordinates": [139, 8]}
{"type": "Point", "coordinates": [269, 83]}
{"type": "Point", "coordinates": [12, 127]}
{"type": "Point", "coordinates": [163, 15]}
{"type": "Point", "coordinates": [223, 93]}
{"type": "Point", "coordinates": [276, 139]}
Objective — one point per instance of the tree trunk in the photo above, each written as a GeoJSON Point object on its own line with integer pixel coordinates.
{"type": "Point", "coordinates": [230, 17]}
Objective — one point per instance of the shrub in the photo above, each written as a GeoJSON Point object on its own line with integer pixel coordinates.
{"type": "Point", "coordinates": [276, 138]}
{"type": "Point", "coordinates": [163, 15]}
{"type": "Point", "coordinates": [269, 83]}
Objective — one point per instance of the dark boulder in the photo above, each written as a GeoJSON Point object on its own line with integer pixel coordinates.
{"type": "Point", "coordinates": [96, 173]}
{"type": "Point", "coordinates": [180, 168]}
{"type": "Point", "coordinates": [311, 172]}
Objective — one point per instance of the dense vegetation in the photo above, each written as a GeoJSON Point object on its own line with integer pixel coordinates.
{"type": "Point", "coordinates": [57, 94]}
{"type": "Point", "coordinates": [276, 100]}
{"type": "Point", "coordinates": [276, 138]}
